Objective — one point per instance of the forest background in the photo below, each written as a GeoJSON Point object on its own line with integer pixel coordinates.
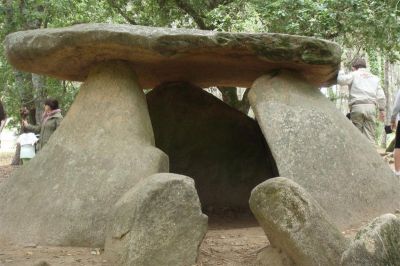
{"type": "Point", "coordinates": [366, 28]}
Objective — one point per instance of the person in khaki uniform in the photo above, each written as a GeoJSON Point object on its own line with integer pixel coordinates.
{"type": "Point", "coordinates": [365, 96]}
{"type": "Point", "coordinates": [51, 120]}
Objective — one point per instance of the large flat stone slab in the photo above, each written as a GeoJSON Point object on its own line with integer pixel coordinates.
{"type": "Point", "coordinates": [104, 146]}
{"type": "Point", "coordinates": [205, 58]}
{"type": "Point", "coordinates": [222, 149]}
{"type": "Point", "coordinates": [320, 149]}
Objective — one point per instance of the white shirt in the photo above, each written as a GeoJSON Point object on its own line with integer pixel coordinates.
{"type": "Point", "coordinates": [27, 151]}
{"type": "Point", "coordinates": [27, 141]}
{"type": "Point", "coordinates": [27, 138]}
{"type": "Point", "coordinates": [363, 87]}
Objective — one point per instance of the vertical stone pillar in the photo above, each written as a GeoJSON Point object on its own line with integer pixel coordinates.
{"type": "Point", "coordinates": [319, 148]}
{"type": "Point", "coordinates": [104, 146]}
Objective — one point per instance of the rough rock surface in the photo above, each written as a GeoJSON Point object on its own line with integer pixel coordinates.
{"type": "Point", "coordinates": [271, 256]}
{"type": "Point", "coordinates": [320, 149]}
{"type": "Point", "coordinates": [222, 149]}
{"type": "Point", "coordinates": [295, 223]}
{"type": "Point", "coordinates": [205, 58]}
{"type": "Point", "coordinates": [158, 222]}
{"type": "Point", "coordinates": [376, 244]}
{"type": "Point", "coordinates": [104, 146]}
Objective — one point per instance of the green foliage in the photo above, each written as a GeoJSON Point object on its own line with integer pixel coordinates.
{"type": "Point", "coordinates": [373, 63]}
{"type": "Point", "coordinates": [370, 25]}
{"type": "Point", "coordinates": [235, 17]}
{"type": "Point", "coordinates": [332, 96]}
{"type": "Point", "coordinates": [16, 88]}
{"type": "Point", "coordinates": [363, 25]}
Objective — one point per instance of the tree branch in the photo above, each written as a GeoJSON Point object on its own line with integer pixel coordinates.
{"type": "Point", "coordinates": [114, 5]}
{"type": "Point", "coordinates": [215, 3]}
{"type": "Point", "coordinates": [245, 103]}
{"type": "Point", "coordinates": [198, 19]}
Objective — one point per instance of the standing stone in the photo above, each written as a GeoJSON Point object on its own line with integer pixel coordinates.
{"type": "Point", "coordinates": [222, 149]}
{"type": "Point", "coordinates": [295, 223]}
{"type": "Point", "coordinates": [319, 148]}
{"type": "Point", "coordinates": [158, 222]}
{"type": "Point", "coordinates": [104, 146]}
{"type": "Point", "coordinates": [376, 244]}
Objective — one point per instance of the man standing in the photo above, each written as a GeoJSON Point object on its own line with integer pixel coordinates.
{"type": "Point", "coordinates": [366, 96]}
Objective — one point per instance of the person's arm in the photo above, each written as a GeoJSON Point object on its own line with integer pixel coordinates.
{"type": "Point", "coordinates": [2, 124]}
{"type": "Point", "coordinates": [31, 128]}
{"type": "Point", "coordinates": [344, 79]}
{"type": "Point", "coordinates": [396, 110]}
{"type": "Point", "coordinates": [381, 102]}
{"type": "Point", "coordinates": [58, 122]}
{"type": "Point", "coordinates": [381, 99]}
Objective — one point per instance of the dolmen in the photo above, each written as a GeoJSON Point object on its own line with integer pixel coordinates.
{"type": "Point", "coordinates": [105, 148]}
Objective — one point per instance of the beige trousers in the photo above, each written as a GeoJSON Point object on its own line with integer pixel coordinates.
{"type": "Point", "coordinates": [363, 117]}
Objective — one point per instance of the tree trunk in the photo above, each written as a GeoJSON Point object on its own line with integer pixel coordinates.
{"type": "Point", "coordinates": [16, 160]}
{"type": "Point", "coordinates": [23, 82]}
{"type": "Point", "coordinates": [40, 95]}
{"type": "Point", "coordinates": [230, 97]}
{"type": "Point", "coordinates": [245, 103]}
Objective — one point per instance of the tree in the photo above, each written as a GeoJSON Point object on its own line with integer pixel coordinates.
{"type": "Point", "coordinates": [362, 26]}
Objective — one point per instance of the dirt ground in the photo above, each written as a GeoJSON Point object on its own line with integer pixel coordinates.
{"type": "Point", "coordinates": [231, 240]}
{"type": "Point", "coordinates": [226, 243]}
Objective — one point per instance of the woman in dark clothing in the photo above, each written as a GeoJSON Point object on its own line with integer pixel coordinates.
{"type": "Point", "coordinates": [2, 113]}
{"type": "Point", "coordinates": [3, 117]}
{"type": "Point", "coordinates": [51, 120]}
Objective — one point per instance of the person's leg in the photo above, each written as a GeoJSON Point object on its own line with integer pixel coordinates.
{"type": "Point", "coordinates": [369, 122]}
{"type": "Point", "coordinates": [357, 117]}
{"type": "Point", "coordinates": [25, 160]}
{"type": "Point", "coordinates": [396, 153]}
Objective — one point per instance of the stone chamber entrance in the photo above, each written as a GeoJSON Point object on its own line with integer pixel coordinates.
{"type": "Point", "coordinates": [222, 149]}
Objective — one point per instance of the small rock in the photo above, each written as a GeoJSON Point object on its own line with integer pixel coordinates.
{"type": "Point", "coordinates": [42, 263]}
{"type": "Point", "coordinates": [95, 251]}
{"type": "Point", "coordinates": [30, 245]}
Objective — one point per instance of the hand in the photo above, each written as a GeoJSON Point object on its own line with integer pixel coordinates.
{"type": "Point", "coordinates": [382, 116]}
{"type": "Point", "coordinates": [393, 125]}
